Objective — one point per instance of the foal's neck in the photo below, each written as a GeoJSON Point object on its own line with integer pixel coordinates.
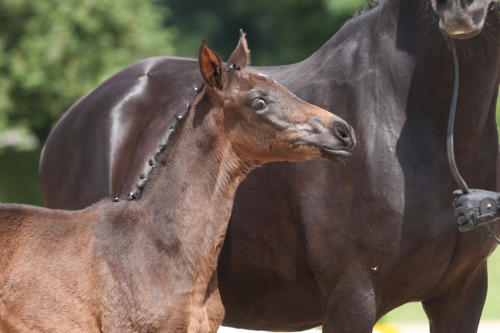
{"type": "Point", "coordinates": [189, 200]}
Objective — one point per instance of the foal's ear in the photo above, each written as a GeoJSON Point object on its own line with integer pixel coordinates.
{"type": "Point", "coordinates": [210, 66]}
{"type": "Point", "coordinates": [241, 54]}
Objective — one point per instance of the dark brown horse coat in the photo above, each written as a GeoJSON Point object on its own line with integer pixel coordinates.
{"type": "Point", "coordinates": [149, 265]}
{"type": "Point", "coordinates": [315, 243]}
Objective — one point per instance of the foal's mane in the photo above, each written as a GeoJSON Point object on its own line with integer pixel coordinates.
{"type": "Point", "coordinates": [164, 142]}
{"type": "Point", "coordinates": [155, 160]}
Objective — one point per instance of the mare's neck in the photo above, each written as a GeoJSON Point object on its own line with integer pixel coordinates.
{"type": "Point", "coordinates": [401, 40]}
{"type": "Point", "coordinates": [394, 62]}
{"type": "Point", "coordinates": [189, 199]}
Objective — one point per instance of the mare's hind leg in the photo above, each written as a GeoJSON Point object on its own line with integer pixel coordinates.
{"type": "Point", "coordinates": [459, 308]}
{"type": "Point", "coordinates": [351, 306]}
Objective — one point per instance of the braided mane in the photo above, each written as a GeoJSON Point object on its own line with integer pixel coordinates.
{"type": "Point", "coordinates": [155, 160]}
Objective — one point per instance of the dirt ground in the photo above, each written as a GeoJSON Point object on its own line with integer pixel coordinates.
{"type": "Point", "coordinates": [484, 327]}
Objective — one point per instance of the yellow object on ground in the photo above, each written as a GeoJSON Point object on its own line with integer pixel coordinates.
{"type": "Point", "coordinates": [386, 328]}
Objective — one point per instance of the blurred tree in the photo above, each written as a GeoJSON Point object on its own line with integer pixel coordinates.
{"type": "Point", "coordinates": [52, 52]}
{"type": "Point", "coordinates": [19, 177]}
{"type": "Point", "coordinates": [279, 32]}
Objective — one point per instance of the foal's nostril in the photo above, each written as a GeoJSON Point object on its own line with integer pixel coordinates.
{"type": "Point", "coordinates": [343, 133]}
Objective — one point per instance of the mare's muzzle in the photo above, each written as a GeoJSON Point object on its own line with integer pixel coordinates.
{"type": "Point", "coordinates": [461, 19]}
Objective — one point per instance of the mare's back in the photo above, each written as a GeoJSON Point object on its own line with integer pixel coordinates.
{"type": "Point", "coordinates": [111, 131]}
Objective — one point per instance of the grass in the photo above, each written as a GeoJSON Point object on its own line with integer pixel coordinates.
{"type": "Point", "coordinates": [19, 177]}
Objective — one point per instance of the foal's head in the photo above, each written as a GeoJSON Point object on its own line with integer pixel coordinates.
{"type": "Point", "coordinates": [262, 119]}
{"type": "Point", "coordinates": [463, 18]}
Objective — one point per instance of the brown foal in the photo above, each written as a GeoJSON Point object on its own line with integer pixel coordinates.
{"type": "Point", "coordinates": [148, 265]}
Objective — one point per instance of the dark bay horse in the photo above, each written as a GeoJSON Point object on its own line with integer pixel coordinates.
{"type": "Point", "coordinates": [149, 265]}
{"type": "Point", "coordinates": [315, 243]}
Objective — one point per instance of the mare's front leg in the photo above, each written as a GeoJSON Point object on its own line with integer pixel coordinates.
{"type": "Point", "coordinates": [458, 309]}
{"type": "Point", "coordinates": [351, 305]}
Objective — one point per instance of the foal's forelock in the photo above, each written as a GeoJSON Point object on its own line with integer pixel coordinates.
{"type": "Point", "coordinates": [229, 70]}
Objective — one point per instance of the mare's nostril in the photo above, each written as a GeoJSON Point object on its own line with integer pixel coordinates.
{"type": "Point", "coordinates": [440, 5]}
{"type": "Point", "coordinates": [343, 133]}
{"type": "Point", "coordinates": [477, 16]}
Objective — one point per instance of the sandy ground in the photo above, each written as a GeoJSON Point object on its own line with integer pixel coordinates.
{"type": "Point", "coordinates": [484, 327]}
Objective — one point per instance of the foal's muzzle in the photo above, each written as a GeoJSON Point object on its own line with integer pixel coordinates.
{"type": "Point", "coordinates": [344, 144]}
{"type": "Point", "coordinates": [345, 134]}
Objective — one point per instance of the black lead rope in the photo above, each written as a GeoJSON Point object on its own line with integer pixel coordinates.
{"type": "Point", "coordinates": [451, 123]}
{"type": "Point", "coordinates": [449, 135]}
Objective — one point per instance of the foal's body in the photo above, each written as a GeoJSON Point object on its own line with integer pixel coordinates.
{"type": "Point", "coordinates": [111, 268]}
{"type": "Point", "coordinates": [113, 263]}
{"type": "Point", "coordinates": [149, 265]}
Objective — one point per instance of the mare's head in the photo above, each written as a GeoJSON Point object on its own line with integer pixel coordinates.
{"type": "Point", "coordinates": [262, 119]}
{"type": "Point", "coordinates": [463, 18]}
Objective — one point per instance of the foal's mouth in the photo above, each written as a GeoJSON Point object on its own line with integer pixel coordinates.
{"type": "Point", "coordinates": [334, 153]}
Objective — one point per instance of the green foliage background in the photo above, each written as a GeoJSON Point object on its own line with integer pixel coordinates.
{"type": "Point", "coordinates": [278, 32]}
{"type": "Point", "coordinates": [53, 52]}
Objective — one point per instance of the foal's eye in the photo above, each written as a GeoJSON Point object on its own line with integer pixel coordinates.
{"type": "Point", "coordinates": [258, 103]}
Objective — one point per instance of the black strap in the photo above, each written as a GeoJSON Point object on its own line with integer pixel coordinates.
{"type": "Point", "coordinates": [451, 123]}
{"type": "Point", "coordinates": [449, 135]}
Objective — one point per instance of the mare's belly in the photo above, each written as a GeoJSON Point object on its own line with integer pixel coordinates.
{"type": "Point", "coordinates": [283, 306]}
